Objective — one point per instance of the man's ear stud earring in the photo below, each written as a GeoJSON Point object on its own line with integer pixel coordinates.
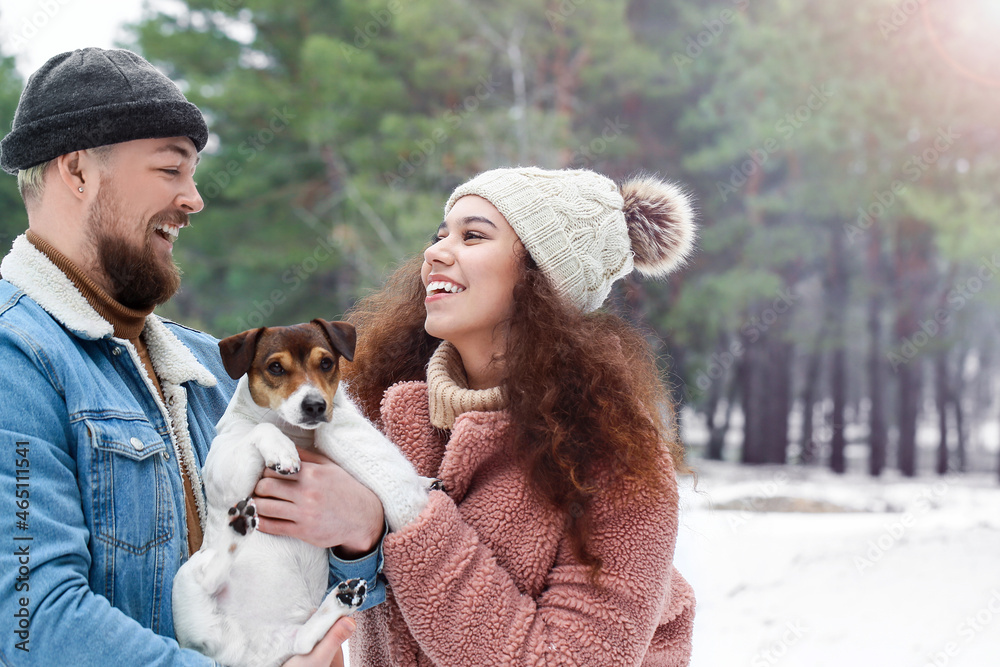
{"type": "Point", "coordinates": [80, 188]}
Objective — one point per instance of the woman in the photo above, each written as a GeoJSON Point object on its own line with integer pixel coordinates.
{"type": "Point", "coordinates": [551, 539]}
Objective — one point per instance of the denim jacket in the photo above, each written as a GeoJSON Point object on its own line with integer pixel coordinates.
{"type": "Point", "coordinates": [91, 491]}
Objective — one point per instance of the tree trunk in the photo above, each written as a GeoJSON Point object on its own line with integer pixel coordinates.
{"type": "Point", "coordinates": [766, 389]}
{"type": "Point", "coordinates": [877, 430]}
{"type": "Point", "coordinates": [911, 271]}
{"type": "Point", "coordinates": [835, 316]}
{"type": "Point", "coordinates": [717, 432]}
{"type": "Point", "coordinates": [714, 448]}
{"type": "Point", "coordinates": [717, 440]}
{"type": "Point", "coordinates": [941, 398]}
{"type": "Point", "coordinates": [754, 393]}
{"type": "Point", "coordinates": [961, 446]}
{"type": "Point", "coordinates": [838, 387]}
{"type": "Point", "coordinates": [909, 376]}
{"type": "Point", "coordinates": [955, 397]}
{"type": "Point", "coordinates": [813, 367]}
{"type": "Point", "coordinates": [780, 397]}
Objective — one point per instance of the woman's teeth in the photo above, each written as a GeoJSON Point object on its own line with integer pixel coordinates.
{"type": "Point", "coordinates": [441, 286]}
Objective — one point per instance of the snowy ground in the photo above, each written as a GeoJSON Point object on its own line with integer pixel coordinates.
{"type": "Point", "coordinates": [894, 573]}
{"type": "Point", "coordinates": [906, 573]}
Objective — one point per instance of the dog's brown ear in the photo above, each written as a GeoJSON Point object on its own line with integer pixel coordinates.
{"type": "Point", "coordinates": [238, 350]}
{"type": "Point", "coordinates": [342, 335]}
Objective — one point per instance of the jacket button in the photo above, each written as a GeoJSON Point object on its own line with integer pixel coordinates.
{"type": "Point", "coordinates": [137, 443]}
{"type": "Point", "coordinates": [166, 456]}
{"type": "Point", "coordinates": [116, 351]}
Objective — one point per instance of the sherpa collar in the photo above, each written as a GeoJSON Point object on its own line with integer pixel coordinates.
{"type": "Point", "coordinates": [28, 269]}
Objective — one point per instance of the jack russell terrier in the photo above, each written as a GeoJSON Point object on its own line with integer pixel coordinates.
{"type": "Point", "coordinates": [247, 598]}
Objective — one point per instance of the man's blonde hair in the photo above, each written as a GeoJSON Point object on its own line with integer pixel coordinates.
{"type": "Point", "coordinates": [31, 181]}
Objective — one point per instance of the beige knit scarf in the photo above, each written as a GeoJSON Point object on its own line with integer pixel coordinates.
{"type": "Point", "coordinates": [448, 389]}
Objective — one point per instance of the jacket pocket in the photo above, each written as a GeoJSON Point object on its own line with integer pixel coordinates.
{"type": "Point", "coordinates": [130, 484]}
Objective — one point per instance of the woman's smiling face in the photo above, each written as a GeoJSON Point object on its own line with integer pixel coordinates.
{"type": "Point", "coordinates": [469, 273]}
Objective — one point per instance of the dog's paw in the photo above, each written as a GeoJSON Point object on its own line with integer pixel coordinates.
{"type": "Point", "coordinates": [243, 516]}
{"type": "Point", "coordinates": [343, 600]}
{"type": "Point", "coordinates": [276, 449]}
{"type": "Point", "coordinates": [282, 460]}
{"type": "Point", "coordinates": [283, 468]}
{"type": "Point", "coordinates": [351, 593]}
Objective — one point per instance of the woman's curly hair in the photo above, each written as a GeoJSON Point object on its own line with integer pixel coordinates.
{"type": "Point", "coordinates": [582, 389]}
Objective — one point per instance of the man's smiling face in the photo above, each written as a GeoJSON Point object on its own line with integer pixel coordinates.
{"type": "Point", "coordinates": [146, 193]}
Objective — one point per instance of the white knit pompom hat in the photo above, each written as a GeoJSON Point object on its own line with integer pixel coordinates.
{"type": "Point", "coordinates": [583, 231]}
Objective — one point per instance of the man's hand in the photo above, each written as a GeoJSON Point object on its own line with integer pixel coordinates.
{"type": "Point", "coordinates": [328, 652]}
{"type": "Point", "coordinates": [320, 504]}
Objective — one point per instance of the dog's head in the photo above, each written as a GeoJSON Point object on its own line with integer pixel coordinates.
{"type": "Point", "coordinates": [293, 370]}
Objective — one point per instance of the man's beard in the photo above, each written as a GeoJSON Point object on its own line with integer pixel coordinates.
{"type": "Point", "coordinates": [137, 277]}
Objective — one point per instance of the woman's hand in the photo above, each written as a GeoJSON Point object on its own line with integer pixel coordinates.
{"type": "Point", "coordinates": [320, 504]}
{"type": "Point", "coordinates": [328, 652]}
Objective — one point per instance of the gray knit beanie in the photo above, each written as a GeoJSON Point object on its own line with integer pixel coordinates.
{"type": "Point", "coordinates": [94, 97]}
{"type": "Point", "coordinates": [583, 231]}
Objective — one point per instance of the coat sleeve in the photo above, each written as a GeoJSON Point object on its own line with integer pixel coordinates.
{"type": "Point", "coordinates": [67, 622]}
{"type": "Point", "coordinates": [367, 567]}
{"type": "Point", "coordinates": [463, 608]}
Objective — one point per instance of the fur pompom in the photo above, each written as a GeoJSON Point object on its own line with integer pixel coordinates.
{"type": "Point", "coordinates": [660, 221]}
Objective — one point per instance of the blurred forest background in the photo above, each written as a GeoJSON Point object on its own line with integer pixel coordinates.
{"type": "Point", "coordinates": [843, 307]}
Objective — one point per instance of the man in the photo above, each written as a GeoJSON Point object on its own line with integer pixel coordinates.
{"type": "Point", "coordinates": [107, 410]}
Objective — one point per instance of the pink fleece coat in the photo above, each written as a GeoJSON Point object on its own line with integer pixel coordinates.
{"type": "Point", "coordinates": [485, 575]}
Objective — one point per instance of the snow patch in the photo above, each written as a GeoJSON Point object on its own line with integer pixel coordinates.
{"type": "Point", "coordinates": [907, 574]}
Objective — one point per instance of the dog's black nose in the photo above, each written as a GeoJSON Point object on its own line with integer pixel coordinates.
{"type": "Point", "coordinates": [313, 408]}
